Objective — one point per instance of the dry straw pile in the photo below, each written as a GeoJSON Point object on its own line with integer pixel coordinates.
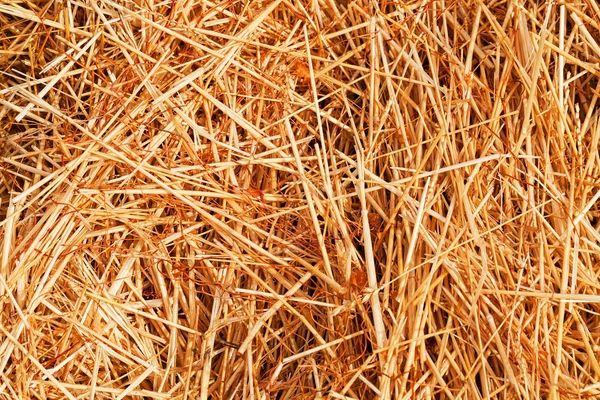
{"type": "Point", "coordinates": [297, 199]}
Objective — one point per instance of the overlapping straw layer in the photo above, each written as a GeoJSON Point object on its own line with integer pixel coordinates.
{"type": "Point", "coordinates": [294, 199]}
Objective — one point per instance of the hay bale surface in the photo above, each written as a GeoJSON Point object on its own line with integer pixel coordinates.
{"type": "Point", "coordinates": [293, 199]}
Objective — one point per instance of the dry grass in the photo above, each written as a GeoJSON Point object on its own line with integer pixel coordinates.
{"type": "Point", "coordinates": [298, 199]}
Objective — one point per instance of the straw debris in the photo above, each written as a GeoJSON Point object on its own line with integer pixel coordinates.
{"type": "Point", "coordinates": [295, 199]}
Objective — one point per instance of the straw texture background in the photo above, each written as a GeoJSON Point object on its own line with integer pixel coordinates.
{"type": "Point", "coordinates": [299, 199]}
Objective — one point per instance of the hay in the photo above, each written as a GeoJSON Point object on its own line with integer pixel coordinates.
{"type": "Point", "coordinates": [299, 199]}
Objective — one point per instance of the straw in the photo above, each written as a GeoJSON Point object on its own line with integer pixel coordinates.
{"type": "Point", "coordinates": [299, 199]}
